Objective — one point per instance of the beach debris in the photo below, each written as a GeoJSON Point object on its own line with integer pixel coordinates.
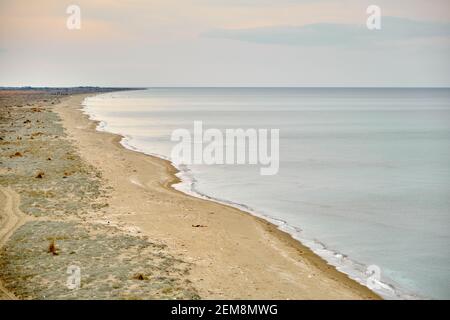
{"type": "Point", "coordinates": [15, 155]}
{"type": "Point", "coordinates": [52, 248]}
{"type": "Point", "coordinates": [27, 121]}
{"type": "Point", "coordinates": [49, 159]}
{"type": "Point", "coordinates": [140, 276]}
{"type": "Point", "coordinates": [40, 175]}
{"type": "Point", "coordinates": [198, 226]}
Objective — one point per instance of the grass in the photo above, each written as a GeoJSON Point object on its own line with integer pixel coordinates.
{"type": "Point", "coordinates": [52, 248]}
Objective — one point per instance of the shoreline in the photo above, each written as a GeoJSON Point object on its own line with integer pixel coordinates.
{"type": "Point", "coordinates": [186, 185]}
{"type": "Point", "coordinates": [170, 179]}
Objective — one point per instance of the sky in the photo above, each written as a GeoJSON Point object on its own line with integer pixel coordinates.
{"type": "Point", "coordinates": [313, 43]}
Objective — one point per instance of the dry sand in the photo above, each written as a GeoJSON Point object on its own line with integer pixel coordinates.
{"type": "Point", "coordinates": [234, 255]}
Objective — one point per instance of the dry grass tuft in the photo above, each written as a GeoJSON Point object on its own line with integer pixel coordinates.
{"type": "Point", "coordinates": [140, 276]}
{"type": "Point", "coordinates": [52, 248]}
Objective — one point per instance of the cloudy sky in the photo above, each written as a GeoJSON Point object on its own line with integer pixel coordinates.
{"type": "Point", "coordinates": [225, 43]}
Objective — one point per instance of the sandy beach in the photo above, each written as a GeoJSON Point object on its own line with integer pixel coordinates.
{"type": "Point", "coordinates": [210, 250]}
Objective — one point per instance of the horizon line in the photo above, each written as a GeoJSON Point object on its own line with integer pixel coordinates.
{"type": "Point", "coordinates": [223, 87]}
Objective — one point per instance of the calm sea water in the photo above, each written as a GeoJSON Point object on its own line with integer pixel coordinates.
{"type": "Point", "coordinates": [364, 174]}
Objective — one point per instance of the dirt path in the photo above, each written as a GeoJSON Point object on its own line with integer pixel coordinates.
{"type": "Point", "coordinates": [10, 219]}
